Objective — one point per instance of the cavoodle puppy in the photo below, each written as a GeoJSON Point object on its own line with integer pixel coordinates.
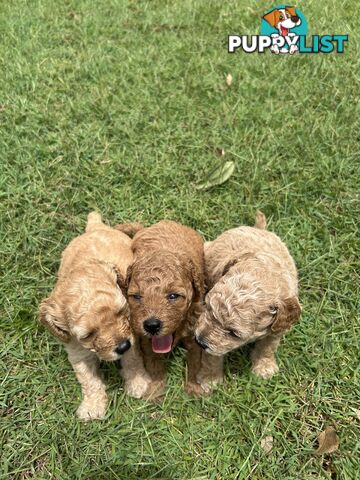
{"type": "Point", "coordinates": [253, 297]}
{"type": "Point", "coordinates": [87, 311]}
{"type": "Point", "coordinates": [165, 295]}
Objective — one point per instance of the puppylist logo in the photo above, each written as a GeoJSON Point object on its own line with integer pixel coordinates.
{"type": "Point", "coordinates": [283, 31]}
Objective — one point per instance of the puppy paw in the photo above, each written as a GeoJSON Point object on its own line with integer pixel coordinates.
{"type": "Point", "coordinates": [196, 390]}
{"type": "Point", "coordinates": [207, 384]}
{"type": "Point", "coordinates": [155, 391]}
{"type": "Point", "coordinates": [92, 409]}
{"type": "Point", "coordinates": [265, 368]}
{"type": "Point", "coordinates": [137, 386]}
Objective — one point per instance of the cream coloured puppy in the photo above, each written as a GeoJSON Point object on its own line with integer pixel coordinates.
{"type": "Point", "coordinates": [253, 298]}
{"type": "Point", "coordinates": [87, 311]}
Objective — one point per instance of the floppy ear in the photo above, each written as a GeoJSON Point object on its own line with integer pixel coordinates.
{"type": "Point", "coordinates": [123, 281]}
{"type": "Point", "coordinates": [197, 280]}
{"type": "Point", "coordinates": [287, 313]}
{"type": "Point", "coordinates": [291, 10]}
{"type": "Point", "coordinates": [51, 316]}
{"type": "Point", "coordinates": [271, 18]}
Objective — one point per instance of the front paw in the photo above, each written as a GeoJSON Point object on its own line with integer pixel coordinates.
{"type": "Point", "coordinates": [208, 383]}
{"type": "Point", "coordinates": [195, 389]}
{"type": "Point", "coordinates": [155, 391]}
{"type": "Point", "coordinates": [92, 408]}
{"type": "Point", "coordinates": [137, 386]}
{"type": "Point", "coordinates": [265, 368]}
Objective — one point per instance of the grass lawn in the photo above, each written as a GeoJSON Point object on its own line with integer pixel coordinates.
{"type": "Point", "coordinates": [119, 106]}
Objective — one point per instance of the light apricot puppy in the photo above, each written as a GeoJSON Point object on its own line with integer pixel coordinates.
{"type": "Point", "coordinates": [253, 297]}
{"type": "Point", "coordinates": [87, 311]}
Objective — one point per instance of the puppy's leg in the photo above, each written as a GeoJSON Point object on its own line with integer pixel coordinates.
{"type": "Point", "coordinates": [193, 361]}
{"type": "Point", "coordinates": [86, 368]}
{"type": "Point", "coordinates": [155, 366]}
{"type": "Point", "coordinates": [211, 372]}
{"type": "Point", "coordinates": [137, 380]}
{"type": "Point", "coordinates": [263, 357]}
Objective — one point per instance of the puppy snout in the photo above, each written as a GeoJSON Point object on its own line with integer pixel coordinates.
{"type": "Point", "coordinates": [295, 18]}
{"type": "Point", "coordinates": [123, 347]}
{"type": "Point", "coordinates": [201, 342]}
{"type": "Point", "coordinates": [152, 325]}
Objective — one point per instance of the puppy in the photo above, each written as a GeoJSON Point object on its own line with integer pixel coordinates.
{"type": "Point", "coordinates": [253, 297]}
{"type": "Point", "coordinates": [165, 295]}
{"type": "Point", "coordinates": [283, 19]}
{"type": "Point", "coordinates": [88, 313]}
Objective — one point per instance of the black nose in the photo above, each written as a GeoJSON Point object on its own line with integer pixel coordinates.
{"type": "Point", "coordinates": [295, 18]}
{"type": "Point", "coordinates": [200, 341]}
{"type": "Point", "coordinates": [123, 347]}
{"type": "Point", "coordinates": [152, 326]}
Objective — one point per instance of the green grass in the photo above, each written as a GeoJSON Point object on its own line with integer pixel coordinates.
{"type": "Point", "coordinates": [119, 105]}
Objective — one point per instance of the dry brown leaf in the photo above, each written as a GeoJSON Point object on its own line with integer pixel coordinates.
{"type": "Point", "coordinates": [267, 443]}
{"type": "Point", "coordinates": [229, 79]}
{"type": "Point", "coordinates": [328, 441]}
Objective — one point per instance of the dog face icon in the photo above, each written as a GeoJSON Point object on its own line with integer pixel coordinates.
{"type": "Point", "coordinates": [283, 19]}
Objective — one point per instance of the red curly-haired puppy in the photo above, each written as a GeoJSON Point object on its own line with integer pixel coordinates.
{"type": "Point", "coordinates": [165, 295]}
{"type": "Point", "coordinates": [87, 311]}
{"type": "Point", "coordinates": [253, 297]}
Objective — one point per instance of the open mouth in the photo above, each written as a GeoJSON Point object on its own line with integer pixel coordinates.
{"type": "Point", "coordinates": [284, 31]}
{"type": "Point", "coordinates": [162, 344]}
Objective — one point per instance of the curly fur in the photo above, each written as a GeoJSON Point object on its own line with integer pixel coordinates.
{"type": "Point", "coordinates": [129, 229]}
{"type": "Point", "coordinates": [253, 294]}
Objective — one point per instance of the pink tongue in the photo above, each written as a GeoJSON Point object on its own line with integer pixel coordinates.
{"type": "Point", "coordinates": [284, 31]}
{"type": "Point", "coordinates": [162, 344]}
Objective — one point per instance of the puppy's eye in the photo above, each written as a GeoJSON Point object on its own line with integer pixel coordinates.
{"type": "Point", "coordinates": [172, 296]}
{"type": "Point", "coordinates": [136, 296]}
{"type": "Point", "coordinates": [89, 335]}
{"type": "Point", "coordinates": [281, 18]}
{"type": "Point", "coordinates": [232, 333]}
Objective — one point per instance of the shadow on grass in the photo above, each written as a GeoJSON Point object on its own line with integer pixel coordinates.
{"type": "Point", "coordinates": [238, 361]}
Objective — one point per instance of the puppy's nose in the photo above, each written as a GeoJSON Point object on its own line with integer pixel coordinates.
{"type": "Point", "coordinates": [123, 347]}
{"type": "Point", "coordinates": [201, 342]}
{"type": "Point", "coordinates": [295, 18]}
{"type": "Point", "coordinates": [152, 325]}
